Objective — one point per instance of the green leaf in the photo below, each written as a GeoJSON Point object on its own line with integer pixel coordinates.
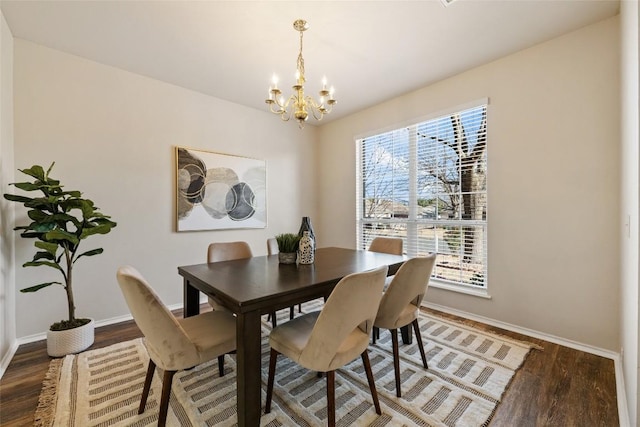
{"type": "Point", "coordinates": [63, 217]}
{"type": "Point", "coordinates": [36, 171]}
{"type": "Point", "coordinates": [38, 287]}
{"type": "Point", "coordinates": [90, 253]}
{"type": "Point", "coordinates": [59, 234]}
{"type": "Point", "coordinates": [37, 215]}
{"type": "Point", "coordinates": [39, 263]}
{"type": "Point", "coordinates": [51, 248]}
{"type": "Point", "coordinates": [16, 198]}
{"type": "Point", "coordinates": [31, 234]}
{"type": "Point", "coordinates": [73, 193]}
{"type": "Point", "coordinates": [44, 255]}
{"type": "Point", "coordinates": [100, 229]}
{"type": "Point", "coordinates": [42, 227]}
{"type": "Point", "coordinates": [28, 186]}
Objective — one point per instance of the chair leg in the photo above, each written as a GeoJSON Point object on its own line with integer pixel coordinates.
{"type": "Point", "coordinates": [273, 320]}
{"type": "Point", "coordinates": [396, 359]}
{"type": "Point", "coordinates": [416, 330]}
{"type": "Point", "coordinates": [147, 386]}
{"type": "Point", "coordinates": [372, 384]}
{"type": "Point", "coordinates": [375, 334]}
{"type": "Point", "coordinates": [292, 311]}
{"type": "Point", "coordinates": [299, 308]}
{"type": "Point", "coordinates": [221, 365]}
{"type": "Point", "coordinates": [331, 398]}
{"type": "Point", "coordinates": [164, 399]}
{"type": "Point", "coordinates": [272, 373]}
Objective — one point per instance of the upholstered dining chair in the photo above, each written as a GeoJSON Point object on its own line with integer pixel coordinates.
{"type": "Point", "coordinates": [174, 344]}
{"type": "Point", "coordinates": [326, 340]}
{"type": "Point", "coordinates": [400, 305]}
{"type": "Point", "coordinates": [272, 249]}
{"type": "Point", "coordinates": [226, 251]}
{"type": "Point", "coordinates": [272, 246]}
{"type": "Point", "coordinates": [387, 245]}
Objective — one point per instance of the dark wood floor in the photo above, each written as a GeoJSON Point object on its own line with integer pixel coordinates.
{"type": "Point", "coordinates": [555, 387]}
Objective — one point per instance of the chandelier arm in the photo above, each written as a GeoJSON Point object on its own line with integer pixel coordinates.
{"type": "Point", "coordinates": [317, 110]}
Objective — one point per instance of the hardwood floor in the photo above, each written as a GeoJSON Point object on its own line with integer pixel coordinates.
{"type": "Point", "coordinates": [557, 386]}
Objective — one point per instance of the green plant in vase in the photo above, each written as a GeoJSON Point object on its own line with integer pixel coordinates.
{"type": "Point", "coordinates": [288, 247]}
{"type": "Point", "coordinates": [60, 221]}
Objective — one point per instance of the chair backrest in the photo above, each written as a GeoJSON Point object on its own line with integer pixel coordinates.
{"type": "Point", "coordinates": [387, 245]}
{"type": "Point", "coordinates": [167, 343]}
{"type": "Point", "coordinates": [406, 291]}
{"type": "Point", "coordinates": [228, 251]}
{"type": "Point", "coordinates": [272, 246]}
{"type": "Point", "coordinates": [353, 304]}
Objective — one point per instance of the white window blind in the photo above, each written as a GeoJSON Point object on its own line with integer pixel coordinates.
{"type": "Point", "coordinates": [427, 183]}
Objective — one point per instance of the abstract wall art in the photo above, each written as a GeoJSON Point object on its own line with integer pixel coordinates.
{"type": "Point", "coordinates": [218, 191]}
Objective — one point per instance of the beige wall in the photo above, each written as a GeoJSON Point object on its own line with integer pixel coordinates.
{"type": "Point", "coordinates": [112, 135]}
{"type": "Point", "coordinates": [7, 291]}
{"type": "Point", "coordinates": [553, 187]}
{"type": "Point", "coordinates": [630, 47]}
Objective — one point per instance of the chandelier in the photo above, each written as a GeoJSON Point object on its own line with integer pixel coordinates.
{"type": "Point", "coordinates": [298, 105]}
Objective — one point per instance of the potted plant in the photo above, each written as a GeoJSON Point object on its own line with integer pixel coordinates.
{"type": "Point", "coordinates": [288, 247]}
{"type": "Point", "coordinates": [60, 220]}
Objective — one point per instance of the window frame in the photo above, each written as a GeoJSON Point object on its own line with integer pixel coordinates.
{"type": "Point", "coordinates": [412, 222]}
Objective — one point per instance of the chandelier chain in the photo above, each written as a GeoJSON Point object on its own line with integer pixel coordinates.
{"type": "Point", "coordinates": [300, 58]}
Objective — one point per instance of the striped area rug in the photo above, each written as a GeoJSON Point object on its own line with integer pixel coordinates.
{"type": "Point", "coordinates": [469, 371]}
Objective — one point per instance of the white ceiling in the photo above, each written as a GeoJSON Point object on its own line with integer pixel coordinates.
{"type": "Point", "coordinates": [369, 50]}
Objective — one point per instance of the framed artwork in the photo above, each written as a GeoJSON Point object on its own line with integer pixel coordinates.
{"type": "Point", "coordinates": [216, 191]}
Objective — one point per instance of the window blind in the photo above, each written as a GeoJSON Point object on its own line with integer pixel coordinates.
{"type": "Point", "coordinates": [427, 183]}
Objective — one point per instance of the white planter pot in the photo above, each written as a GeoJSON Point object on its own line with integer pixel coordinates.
{"type": "Point", "coordinates": [61, 343]}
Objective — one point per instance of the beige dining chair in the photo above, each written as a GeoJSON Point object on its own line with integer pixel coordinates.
{"type": "Point", "coordinates": [400, 305]}
{"type": "Point", "coordinates": [387, 245]}
{"type": "Point", "coordinates": [326, 340]}
{"type": "Point", "coordinates": [226, 251]}
{"type": "Point", "coordinates": [174, 344]}
{"type": "Point", "coordinates": [272, 246]}
{"type": "Point", "coordinates": [272, 249]}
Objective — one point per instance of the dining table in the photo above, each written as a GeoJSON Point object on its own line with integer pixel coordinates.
{"type": "Point", "coordinates": [261, 285]}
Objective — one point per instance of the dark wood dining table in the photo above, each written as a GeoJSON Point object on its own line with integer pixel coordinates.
{"type": "Point", "coordinates": [260, 285]}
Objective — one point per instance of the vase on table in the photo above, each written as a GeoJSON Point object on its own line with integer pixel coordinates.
{"type": "Point", "coordinates": [306, 226]}
{"type": "Point", "coordinates": [306, 253]}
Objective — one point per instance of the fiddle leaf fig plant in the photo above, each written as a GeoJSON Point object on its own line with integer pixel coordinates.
{"type": "Point", "coordinates": [60, 221]}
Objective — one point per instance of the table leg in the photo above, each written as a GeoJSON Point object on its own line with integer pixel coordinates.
{"type": "Point", "coordinates": [249, 383]}
{"type": "Point", "coordinates": [407, 337]}
{"type": "Point", "coordinates": [191, 297]}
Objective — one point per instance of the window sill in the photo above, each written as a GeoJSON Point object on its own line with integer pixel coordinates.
{"type": "Point", "coordinates": [482, 293]}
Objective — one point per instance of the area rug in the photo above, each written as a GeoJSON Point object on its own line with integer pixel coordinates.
{"type": "Point", "coordinates": [469, 370]}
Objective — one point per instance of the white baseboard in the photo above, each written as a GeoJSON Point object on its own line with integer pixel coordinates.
{"type": "Point", "coordinates": [623, 410]}
{"type": "Point", "coordinates": [621, 394]}
{"type": "Point", "coordinates": [4, 364]}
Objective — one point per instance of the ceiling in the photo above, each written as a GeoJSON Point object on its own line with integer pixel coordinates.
{"type": "Point", "coordinates": [370, 51]}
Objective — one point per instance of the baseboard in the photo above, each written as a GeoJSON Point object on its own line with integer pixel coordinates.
{"type": "Point", "coordinates": [4, 364]}
{"type": "Point", "coordinates": [621, 394]}
{"type": "Point", "coordinates": [623, 410]}
{"type": "Point", "coordinates": [528, 332]}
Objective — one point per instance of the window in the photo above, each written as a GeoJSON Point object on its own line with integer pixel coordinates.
{"type": "Point", "coordinates": [427, 183]}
